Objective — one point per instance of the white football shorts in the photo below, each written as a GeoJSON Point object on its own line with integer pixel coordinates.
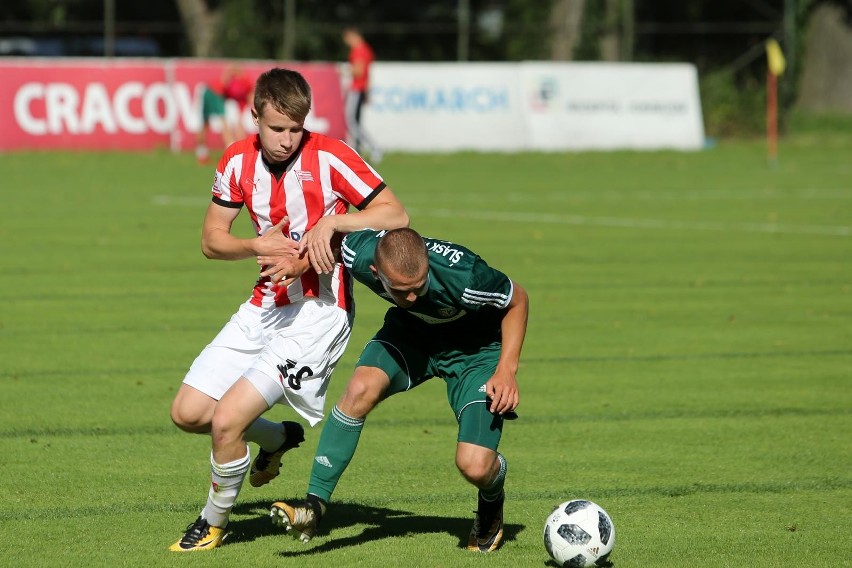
{"type": "Point", "coordinates": [288, 353]}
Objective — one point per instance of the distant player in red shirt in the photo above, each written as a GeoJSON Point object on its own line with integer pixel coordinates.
{"type": "Point", "coordinates": [361, 57]}
{"type": "Point", "coordinates": [237, 90]}
{"type": "Point", "coordinates": [284, 342]}
{"type": "Point", "coordinates": [226, 100]}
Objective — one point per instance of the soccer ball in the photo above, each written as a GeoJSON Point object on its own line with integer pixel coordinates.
{"type": "Point", "coordinates": [579, 533]}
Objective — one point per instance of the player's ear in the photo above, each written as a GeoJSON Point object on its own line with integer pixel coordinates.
{"type": "Point", "coordinates": [254, 115]}
{"type": "Point", "coordinates": [374, 271]}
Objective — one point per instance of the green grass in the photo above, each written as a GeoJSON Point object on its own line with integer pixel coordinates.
{"type": "Point", "coordinates": [687, 364]}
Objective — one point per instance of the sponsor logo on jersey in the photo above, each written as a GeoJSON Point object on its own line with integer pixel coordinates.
{"type": "Point", "coordinates": [252, 183]}
{"type": "Point", "coordinates": [432, 319]}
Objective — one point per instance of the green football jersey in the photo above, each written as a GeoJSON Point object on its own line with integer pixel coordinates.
{"type": "Point", "coordinates": [464, 298]}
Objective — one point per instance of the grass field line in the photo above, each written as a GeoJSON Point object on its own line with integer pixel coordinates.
{"type": "Point", "coordinates": [634, 223]}
{"type": "Point", "coordinates": [38, 435]}
{"type": "Point", "coordinates": [746, 282]}
{"type": "Point", "coordinates": [688, 356]}
{"type": "Point", "coordinates": [93, 373]}
{"type": "Point", "coordinates": [742, 194]}
{"type": "Point", "coordinates": [826, 484]}
{"type": "Point", "coordinates": [680, 195]}
{"type": "Point", "coordinates": [583, 220]}
{"type": "Point", "coordinates": [655, 358]}
{"type": "Point", "coordinates": [829, 484]}
{"type": "Point", "coordinates": [95, 431]}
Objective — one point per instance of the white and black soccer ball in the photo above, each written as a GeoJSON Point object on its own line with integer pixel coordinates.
{"type": "Point", "coordinates": [579, 533]}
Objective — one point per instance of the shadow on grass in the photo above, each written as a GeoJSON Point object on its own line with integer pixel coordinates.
{"type": "Point", "coordinates": [382, 523]}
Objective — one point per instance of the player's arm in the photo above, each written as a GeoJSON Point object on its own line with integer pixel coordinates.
{"type": "Point", "coordinates": [384, 211]}
{"type": "Point", "coordinates": [502, 387]}
{"type": "Point", "coordinates": [218, 243]}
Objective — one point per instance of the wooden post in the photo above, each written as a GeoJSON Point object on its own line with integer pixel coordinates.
{"type": "Point", "coordinates": [772, 118]}
{"type": "Point", "coordinates": [774, 68]}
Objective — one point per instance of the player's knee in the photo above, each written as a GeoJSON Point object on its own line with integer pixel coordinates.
{"type": "Point", "coordinates": [188, 420]}
{"type": "Point", "coordinates": [478, 467]}
{"type": "Point", "coordinates": [363, 393]}
{"type": "Point", "coordinates": [476, 471]}
{"type": "Point", "coordinates": [225, 426]}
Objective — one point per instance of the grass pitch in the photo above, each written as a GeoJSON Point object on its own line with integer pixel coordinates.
{"type": "Point", "coordinates": [687, 364]}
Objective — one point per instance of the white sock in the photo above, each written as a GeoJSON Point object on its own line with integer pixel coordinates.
{"type": "Point", "coordinates": [225, 483]}
{"type": "Point", "coordinates": [268, 435]}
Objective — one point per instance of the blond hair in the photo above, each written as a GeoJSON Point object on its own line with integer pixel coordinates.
{"type": "Point", "coordinates": [403, 251]}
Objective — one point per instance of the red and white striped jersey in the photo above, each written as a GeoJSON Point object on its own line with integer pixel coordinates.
{"type": "Point", "coordinates": [325, 177]}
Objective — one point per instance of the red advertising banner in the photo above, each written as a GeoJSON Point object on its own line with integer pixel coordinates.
{"type": "Point", "coordinates": [134, 104]}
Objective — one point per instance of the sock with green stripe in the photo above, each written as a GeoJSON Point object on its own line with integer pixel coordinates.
{"type": "Point", "coordinates": [494, 490]}
{"type": "Point", "coordinates": [337, 445]}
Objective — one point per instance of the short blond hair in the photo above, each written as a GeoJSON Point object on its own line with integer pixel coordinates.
{"type": "Point", "coordinates": [403, 251]}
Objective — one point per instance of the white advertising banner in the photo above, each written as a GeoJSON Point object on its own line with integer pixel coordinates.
{"type": "Point", "coordinates": [534, 106]}
{"type": "Point", "coordinates": [612, 105]}
{"type": "Point", "coordinates": [445, 107]}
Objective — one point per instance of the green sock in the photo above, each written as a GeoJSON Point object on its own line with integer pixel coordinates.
{"type": "Point", "coordinates": [336, 447]}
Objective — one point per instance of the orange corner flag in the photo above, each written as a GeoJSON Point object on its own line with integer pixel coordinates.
{"type": "Point", "coordinates": [775, 56]}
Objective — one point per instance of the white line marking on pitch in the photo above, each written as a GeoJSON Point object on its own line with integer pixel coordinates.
{"type": "Point", "coordinates": [185, 201]}
{"type": "Point", "coordinates": [582, 220]}
{"type": "Point", "coordinates": [838, 231]}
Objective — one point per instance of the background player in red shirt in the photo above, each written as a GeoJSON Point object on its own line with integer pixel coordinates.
{"type": "Point", "coordinates": [237, 90]}
{"type": "Point", "coordinates": [284, 342]}
{"type": "Point", "coordinates": [361, 57]}
{"type": "Point", "coordinates": [225, 100]}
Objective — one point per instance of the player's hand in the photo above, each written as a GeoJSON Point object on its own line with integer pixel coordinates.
{"type": "Point", "coordinates": [317, 244]}
{"type": "Point", "coordinates": [283, 270]}
{"type": "Point", "coordinates": [275, 241]}
{"type": "Point", "coordinates": [502, 389]}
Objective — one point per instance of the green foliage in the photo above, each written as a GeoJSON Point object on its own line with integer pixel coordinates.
{"type": "Point", "coordinates": [594, 22]}
{"type": "Point", "coordinates": [243, 31]}
{"type": "Point", "coordinates": [730, 109]}
{"type": "Point", "coordinates": [527, 30]}
{"type": "Point", "coordinates": [818, 124]}
{"type": "Point", "coordinates": [686, 365]}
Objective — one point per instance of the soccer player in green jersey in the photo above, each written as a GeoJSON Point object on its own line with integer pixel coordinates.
{"type": "Point", "coordinates": [454, 317]}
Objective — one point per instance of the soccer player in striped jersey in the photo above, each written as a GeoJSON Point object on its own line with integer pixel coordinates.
{"type": "Point", "coordinates": [454, 317]}
{"type": "Point", "coordinates": [283, 343]}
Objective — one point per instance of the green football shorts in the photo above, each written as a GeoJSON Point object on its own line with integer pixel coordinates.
{"type": "Point", "coordinates": [212, 104]}
{"type": "Point", "coordinates": [410, 358]}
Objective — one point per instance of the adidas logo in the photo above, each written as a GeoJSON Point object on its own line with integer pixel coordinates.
{"type": "Point", "coordinates": [482, 388]}
{"type": "Point", "coordinates": [323, 461]}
